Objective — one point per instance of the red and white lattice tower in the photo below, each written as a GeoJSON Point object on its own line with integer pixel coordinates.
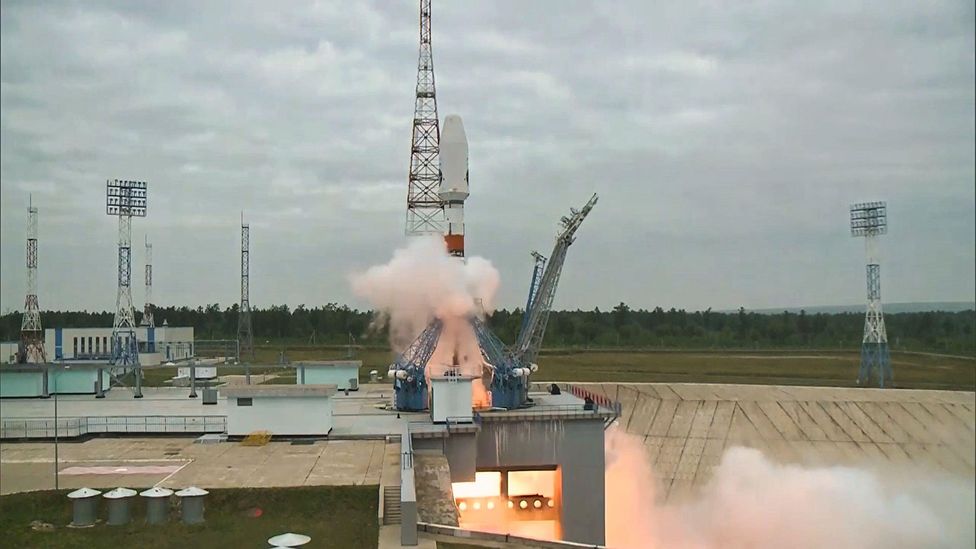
{"type": "Point", "coordinates": [31, 336]}
{"type": "Point", "coordinates": [425, 211]}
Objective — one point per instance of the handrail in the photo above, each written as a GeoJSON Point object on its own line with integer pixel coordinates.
{"type": "Point", "coordinates": [43, 427]}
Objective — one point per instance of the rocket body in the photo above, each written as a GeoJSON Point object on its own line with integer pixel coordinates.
{"type": "Point", "coordinates": [454, 181]}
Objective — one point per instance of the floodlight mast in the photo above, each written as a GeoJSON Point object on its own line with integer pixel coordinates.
{"type": "Point", "coordinates": [870, 220]}
{"type": "Point", "coordinates": [125, 199]}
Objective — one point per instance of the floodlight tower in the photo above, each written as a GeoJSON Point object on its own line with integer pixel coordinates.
{"type": "Point", "coordinates": [31, 343]}
{"type": "Point", "coordinates": [425, 210]}
{"type": "Point", "coordinates": [870, 220]}
{"type": "Point", "coordinates": [245, 337]}
{"type": "Point", "coordinates": [147, 312]}
{"type": "Point", "coordinates": [125, 199]}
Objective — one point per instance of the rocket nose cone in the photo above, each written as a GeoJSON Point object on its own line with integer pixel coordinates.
{"type": "Point", "coordinates": [453, 129]}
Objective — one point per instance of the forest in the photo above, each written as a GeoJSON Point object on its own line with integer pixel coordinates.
{"type": "Point", "coordinates": [618, 327]}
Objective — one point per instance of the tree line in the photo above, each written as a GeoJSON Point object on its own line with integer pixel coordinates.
{"type": "Point", "coordinates": [619, 327]}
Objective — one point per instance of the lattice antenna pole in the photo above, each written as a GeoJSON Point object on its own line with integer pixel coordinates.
{"type": "Point", "coordinates": [147, 314]}
{"type": "Point", "coordinates": [870, 220]}
{"type": "Point", "coordinates": [425, 211]}
{"type": "Point", "coordinates": [31, 340]}
{"type": "Point", "coordinates": [125, 200]}
{"type": "Point", "coordinates": [245, 337]}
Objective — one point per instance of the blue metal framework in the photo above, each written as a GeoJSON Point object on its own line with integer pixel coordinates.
{"type": "Point", "coordinates": [537, 270]}
{"type": "Point", "coordinates": [409, 369]}
{"type": "Point", "coordinates": [509, 378]}
{"type": "Point", "coordinates": [530, 337]}
{"type": "Point", "coordinates": [507, 367]}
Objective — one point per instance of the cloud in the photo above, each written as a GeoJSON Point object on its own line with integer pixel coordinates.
{"type": "Point", "coordinates": [721, 140]}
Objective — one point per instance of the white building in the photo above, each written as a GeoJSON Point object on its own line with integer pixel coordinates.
{"type": "Point", "coordinates": [8, 351]}
{"type": "Point", "coordinates": [156, 345]}
{"type": "Point", "coordinates": [279, 409]}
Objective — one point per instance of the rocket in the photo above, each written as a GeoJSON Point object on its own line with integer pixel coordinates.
{"type": "Point", "coordinates": [454, 182]}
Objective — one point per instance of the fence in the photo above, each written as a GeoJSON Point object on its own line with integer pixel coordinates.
{"type": "Point", "coordinates": [13, 428]}
{"type": "Point", "coordinates": [598, 399]}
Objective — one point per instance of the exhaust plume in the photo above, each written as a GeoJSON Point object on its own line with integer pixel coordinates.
{"type": "Point", "coordinates": [422, 282]}
{"type": "Point", "coordinates": [754, 502]}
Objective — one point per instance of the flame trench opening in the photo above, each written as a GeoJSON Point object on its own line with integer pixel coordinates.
{"type": "Point", "coordinates": [523, 502]}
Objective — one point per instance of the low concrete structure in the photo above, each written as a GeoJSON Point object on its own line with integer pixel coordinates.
{"type": "Point", "coordinates": [201, 372]}
{"type": "Point", "coordinates": [450, 400]}
{"type": "Point", "coordinates": [8, 351]}
{"type": "Point", "coordinates": [42, 380]}
{"type": "Point", "coordinates": [279, 409]}
{"type": "Point", "coordinates": [344, 374]}
{"type": "Point", "coordinates": [558, 438]}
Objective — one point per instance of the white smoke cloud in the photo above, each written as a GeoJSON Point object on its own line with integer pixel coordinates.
{"type": "Point", "coordinates": [756, 503]}
{"type": "Point", "coordinates": [422, 282]}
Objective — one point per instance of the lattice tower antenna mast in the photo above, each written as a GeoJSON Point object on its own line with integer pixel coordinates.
{"type": "Point", "coordinates": [529, 342]}
{"type": "Point", "coordinates": [425, 210]}
{"type": "Point", "coordinates": [147, 313]}
{"type": "Point", "coordinates": [31, 340]}
{"type": "Point", "coordinates": [870, 220]}
{"type": "Point", "coordinates": [125, 199]}
{"type": "Point", "coordinates": [245, 337]}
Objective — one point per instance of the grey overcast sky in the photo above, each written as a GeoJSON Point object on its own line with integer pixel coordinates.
{"type": "Point", "coordinates": [726, 140]}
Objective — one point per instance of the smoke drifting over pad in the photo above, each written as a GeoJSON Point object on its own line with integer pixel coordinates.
{"type": "Point", "coordinates": [754, 502]}
{"type": "Point", "coordinates": [422, 282]}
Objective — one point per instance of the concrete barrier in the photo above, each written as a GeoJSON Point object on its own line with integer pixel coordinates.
{"type": "Point", "coordinates": [451, 531]}
{"type": "Point", "coordinates": [408, 490]}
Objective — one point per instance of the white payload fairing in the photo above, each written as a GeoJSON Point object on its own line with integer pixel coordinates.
{"type": "Point", "coordinates": [454, 182]}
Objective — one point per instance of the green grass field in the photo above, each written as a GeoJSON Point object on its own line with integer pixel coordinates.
{"type": "Point", "coordinates": [801, 367]}
{"type": "Point", "coordinates": [821, 368]}
{"type": "Point", "coordinates": [334, 516]}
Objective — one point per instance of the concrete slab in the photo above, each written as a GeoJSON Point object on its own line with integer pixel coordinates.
{"type": "Point", "coordinates": [30, 466]}
{"type": "Point", "coordinates": [687, 427]}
